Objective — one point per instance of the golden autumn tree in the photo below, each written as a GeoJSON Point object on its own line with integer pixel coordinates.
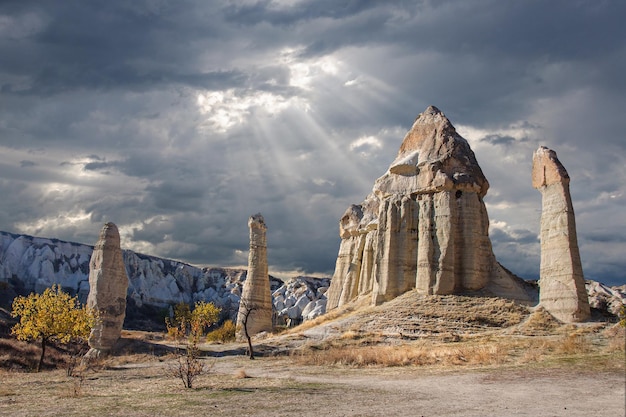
{"type": "Point", "coordinates": [51, 316]}
{"type": "Point", "coordinates": [191, 324]}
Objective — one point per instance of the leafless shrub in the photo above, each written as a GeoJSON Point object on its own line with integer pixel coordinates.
{"type": "Point", "coordinates": [187, 366]}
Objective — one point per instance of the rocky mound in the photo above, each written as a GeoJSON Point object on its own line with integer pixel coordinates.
{"type": "Point", "coordinates": [414, 315]}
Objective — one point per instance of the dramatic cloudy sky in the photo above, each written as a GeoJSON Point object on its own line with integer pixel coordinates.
{"type": "Point", "coordinates": [177, 120]}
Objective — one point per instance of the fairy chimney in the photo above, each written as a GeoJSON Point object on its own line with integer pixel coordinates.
{"type": "Point", "coordinates": [255, 308]}
{"type": "Point", "coordinates": [108, 284]}
{"type": "Point", "coordinates": [424, 226]}
{"type": "Point", "coordinates": [561, 282]}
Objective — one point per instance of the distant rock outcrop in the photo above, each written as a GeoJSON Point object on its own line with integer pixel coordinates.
{"type": "Point", "coordinates": [108, 284]}
{"type": "Point", "coordinates": [30, 264]}
{"type": "Point", "coordinates": [256, 298]}
{"type": "Point", "coordinates": [561, 281]}
{"type": "Point", "coordinates": [424, 226]}
{"type": "Point", "coordinates": [300, 299]}
{"type": "Point", "coordinates": [604, 298]}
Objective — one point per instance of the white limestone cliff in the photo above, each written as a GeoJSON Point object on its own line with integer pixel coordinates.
{"type": "Point", "coordinates": [30, 264]}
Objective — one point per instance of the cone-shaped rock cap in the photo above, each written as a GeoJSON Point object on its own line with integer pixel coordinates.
{"type": "Point", "coordinates": [433, 157]}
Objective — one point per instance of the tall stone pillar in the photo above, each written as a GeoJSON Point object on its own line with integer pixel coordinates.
{"type": "Point", "coordinates": [256, 298]}
{"type": "Point", "coordinates": [108, 284]}
{"type": "Point", "coordinates": [561, 282]}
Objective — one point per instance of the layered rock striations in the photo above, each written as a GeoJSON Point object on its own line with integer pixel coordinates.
{"type": "Point", "coordinates": [561, 282]}
{"type": "Point", "coordinates": [424, 225]}
{"type": "Point", "coordinates": [256, 299]}
{"type": "Point", "coordinates": [108, 284]}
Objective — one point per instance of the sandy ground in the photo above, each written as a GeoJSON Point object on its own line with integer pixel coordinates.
{"type": "Point", "coordinates": [278, 386]}
{"type": "Point", "coordinates": [487, 392]}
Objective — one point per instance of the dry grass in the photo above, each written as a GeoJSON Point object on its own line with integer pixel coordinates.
{"type": "Point", "coordinates": [617, 338]}
{"type": "Point", "coordinates": [147, 391]}
{"type": "Point", "coordinates": [477, 351]}
{"type": "Point", "coordinates": [414, 354]}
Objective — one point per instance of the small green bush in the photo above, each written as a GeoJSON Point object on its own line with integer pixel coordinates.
{"type": "Point", "coordinates": [223, 334]}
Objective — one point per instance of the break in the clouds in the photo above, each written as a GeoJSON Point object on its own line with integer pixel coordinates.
{"type": "Point", "coordinates": [179, 120]}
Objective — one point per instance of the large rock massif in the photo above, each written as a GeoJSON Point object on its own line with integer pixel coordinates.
{"type": "Point", "coordinates": [561, 281]}
{"type": "Point", "coordinates": [255, 308]}
{"type": "Point", "coordinates": [424, 226]}
{"type": "Point", "coordinates": [108, 284]}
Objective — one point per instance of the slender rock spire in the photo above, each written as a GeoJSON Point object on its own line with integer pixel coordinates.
{"type": "Point", "coordinates": [256, 298]}
{"type": "Point", "coordinates": [108, 284]}
{"type": "Point", "coordinates": [561, 282]}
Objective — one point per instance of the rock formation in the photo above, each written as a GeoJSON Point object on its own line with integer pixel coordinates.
{"type": "Point", "coordinates": [30, 264]}
{"type": "Point", "coordinates": [424, 225]}
{"type": "Point", "coordinates": [561, 282]}
{"type": "Point", "coordinates": [256, 298]}
{"type": "Point", "coordinates": [108, 284]}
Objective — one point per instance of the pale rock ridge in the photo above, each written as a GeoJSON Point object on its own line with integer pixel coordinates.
{"type": "Point", "coordinates": [561, 282]}
{"type": "Point", "coordinates": [256, 295]}
{"type": "Point", "coordinates": [108, 285]}
{"type": "Point", "coordinates": [424, 225]}
{"type": "Point", "coordinates": [30, 264]}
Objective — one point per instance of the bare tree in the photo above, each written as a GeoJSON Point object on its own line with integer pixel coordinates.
{"type": "Point", "coordinates": [245, 311]}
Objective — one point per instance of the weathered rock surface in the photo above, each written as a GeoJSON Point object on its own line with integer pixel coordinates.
{"type": "Point", "coordinates": [561, 281]}
{"type": "Point", "coordinates": [424, 225]}
{"type": "Point", "coordinates": [256, 297]}
{"type": "Point", "coordinates": [108, 284]}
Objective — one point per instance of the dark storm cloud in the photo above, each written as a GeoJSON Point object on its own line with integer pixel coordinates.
{"type": "Point", "coordinates": [109, 45]}
{"type": "Point", "coordinates": [518, 236]}
{"type": "Point", "coordinates": [27, 164]}
{"type": "Point", "coordinates": [178, 120]}
{"type": "Point", "coordinates": [499, 139]}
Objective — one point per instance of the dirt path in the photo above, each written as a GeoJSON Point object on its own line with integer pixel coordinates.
{"type": "Point", "coordinates": [414, 392]}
